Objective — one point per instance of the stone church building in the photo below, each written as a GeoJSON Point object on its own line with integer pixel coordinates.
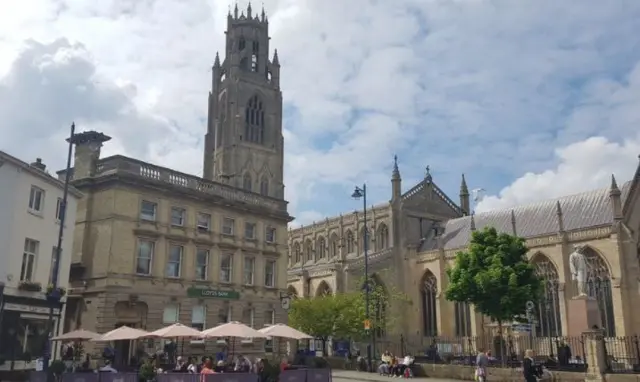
{"type": "Point", "coordinates": [154, 246]}
{"type": "Point", "coordinates": [416, 235]}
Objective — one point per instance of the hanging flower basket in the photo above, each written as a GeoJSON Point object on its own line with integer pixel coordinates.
{"type": "Point", "coordinates": [60, 291]}
{"type": "Point", "coordinates": [30, 286]}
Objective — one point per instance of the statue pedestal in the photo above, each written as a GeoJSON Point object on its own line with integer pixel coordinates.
{"type": "Point", "coordinates": [583, 314]}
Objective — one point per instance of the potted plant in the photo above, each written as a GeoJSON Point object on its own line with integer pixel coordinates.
{"type": "Point", "coordinates": [60, 290]}
{"type": "Point", "coordinates": [30, 286]}
{"type": "Point", "coordinates": [147, 372]}
{"type": "Point", "coordinates": [56, 368]}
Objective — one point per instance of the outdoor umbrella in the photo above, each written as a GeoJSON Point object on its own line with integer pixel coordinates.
{"type": "Point", "coordinates": [176, 330]}
{"type": "Point", "coordinates": [233, 329]}
{"type": "Point", "coordinates": [123, 333]}
{"type": "Point", "coordinates": [77, 335]}
{"type": "Point", "coordinates": [284, 331]}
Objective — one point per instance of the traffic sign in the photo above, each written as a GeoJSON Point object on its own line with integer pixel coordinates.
{"type": "Point", "coordinates": [367, 324]}
{"type": "Point", "coordinates": [530, 305]}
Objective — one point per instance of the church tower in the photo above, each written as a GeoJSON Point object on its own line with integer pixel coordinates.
{"type": "Point", "coordinates": [244, 146]}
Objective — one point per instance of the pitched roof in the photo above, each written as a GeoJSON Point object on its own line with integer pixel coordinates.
{"type": "Point", "coordinates": [579, 211]}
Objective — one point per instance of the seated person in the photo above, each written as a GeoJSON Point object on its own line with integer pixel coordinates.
{"type": "Point", "coordinates": [384, 367]}
{"type": "Point", "coordinates": [404, 368]}
{"type": "Point", "coordinates": [393, 366]}
{"type": "Point", "coordinates": [181, 365]}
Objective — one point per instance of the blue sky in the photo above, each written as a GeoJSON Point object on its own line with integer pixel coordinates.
{"type": "Point", "coordinates": [531, 99]}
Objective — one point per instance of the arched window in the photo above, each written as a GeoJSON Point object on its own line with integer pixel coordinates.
{"type": "Point", "coordinates": [549, 321]}
{"type": "Point", "coordinates": [382, 241]}
{"type": "Point", "coordinates": [462, 312]}
{"type": "Point", "coordinates": [297, 253]}
{"type": "Point", "coordinates": [334, 244]}
{"type": "Point", "coordinates": [350, 242]}
{"type": "Point", "coordinates": [321, 248]}
{"type": "Point", "coordinates": [379, 305]}
{"type": "Point", "coordinates": [308, 251]}
{"type": "Point", "coordinates": [264, 186]}
{"type": "Point", "coordinates": [599, 287]}
{"type": "Point", "coordinates": [242, 43]}
{"type": "Point", "coordinates": [254, 121]}
{"type": "Point", "coordinates": [365, 240]}
{"type": "Point", "coordinates": [429, 294]}
{"type": "Point", "coordinates": [246, 182]}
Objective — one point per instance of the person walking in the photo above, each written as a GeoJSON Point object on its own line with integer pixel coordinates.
{"type": "Point", "coordinates": [530, 371]}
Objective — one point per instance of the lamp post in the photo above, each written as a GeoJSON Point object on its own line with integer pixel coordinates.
{"type": "Point", "coordinates": [357, 194]}
{"type": "Point", "coordinates": [54, 296]}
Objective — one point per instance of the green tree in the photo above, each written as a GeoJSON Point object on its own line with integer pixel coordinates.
{"type": "Point", "coordinates": [380, 309]}
{"type": "Point", "coordinates": [324, 316]}
{"type": "Point", "coordinates": [495, 276]}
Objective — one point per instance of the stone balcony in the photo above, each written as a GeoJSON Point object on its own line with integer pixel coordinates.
{"type": "Point", "coordinates": [119, 165]}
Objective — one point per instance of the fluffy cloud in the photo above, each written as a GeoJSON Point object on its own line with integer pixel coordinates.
{"type": "Point", "coordinates": [492, 89]}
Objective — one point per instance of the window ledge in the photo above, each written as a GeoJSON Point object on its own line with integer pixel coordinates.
{"type": "Point", "coordinates": [247, 341]}
{"type": "Point", "coordinates": [35, 213]}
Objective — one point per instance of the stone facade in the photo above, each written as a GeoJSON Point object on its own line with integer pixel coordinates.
{"type": "Point", "coordinates": [415, 237]}
{"type": "Point", "coordinates": [154, 246]}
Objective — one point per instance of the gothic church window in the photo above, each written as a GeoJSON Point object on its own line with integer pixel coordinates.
{"type": "Point", "coordinates": [254, 56]}
{"type": "Point", "coordinates": [462, 313]}
{"type": "Point", "coordinates": [382, 241]}
{"type": "Point", "coordinates": [548, 312]}
{"type": "Point", "coordinates": [321, 248]}
{"type": "Point", "coordinates": [333, 247]}
{"type": "Point", "coordinates": [254, 121]}
{"type": "Point", "coordinates": [242, 43]}
{"type": "Point", "coordinates": [297, 253]}
{"type": "Point", "coordinates": [599, 287]}
{"type": "Point", "coordinates": [264, 186]}
{"type": "Point", "coordinates": [246, 182]}
{"type": "Point", "coordinates": [429, 294]}
{"type": "Point", "coordinates": [350, 243]}
{"type": "Point", "coordinates": [308, 250]}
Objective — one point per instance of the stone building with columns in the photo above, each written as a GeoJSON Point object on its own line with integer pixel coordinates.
{"type": "Point", "coordinates": [154, 246]}
{"type": "Point", "coordinates": [416, 235]}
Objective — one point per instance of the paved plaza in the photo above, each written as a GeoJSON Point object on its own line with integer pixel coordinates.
{"type": "Point", "coordinates": [349, 375]}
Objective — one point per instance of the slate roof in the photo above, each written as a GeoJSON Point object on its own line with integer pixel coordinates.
{"type": "Point", "coordinates": [579, 211]}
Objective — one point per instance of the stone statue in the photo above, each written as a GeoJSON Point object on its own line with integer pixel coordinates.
{"type": "Point", "coordinates": [578, 265]}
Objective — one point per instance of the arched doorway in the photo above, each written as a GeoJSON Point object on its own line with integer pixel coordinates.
{"type": "Point", "coordinates": [293, 292]}
{"type": "Point", "coordinates": [323, 289]}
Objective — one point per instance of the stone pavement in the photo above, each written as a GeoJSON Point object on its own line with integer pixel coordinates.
{"type": "Point", "coordinates": [374, 377]}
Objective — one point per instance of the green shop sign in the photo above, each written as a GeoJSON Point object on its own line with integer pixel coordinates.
{"type": "Point", "coordinates": [212, 293]}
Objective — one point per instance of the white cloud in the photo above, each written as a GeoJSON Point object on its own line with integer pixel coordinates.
{"type": "Point", "coordinates": [607, 106]}
{"type": "Point", "coordinates": [439, 83]}
{"type": "Point", "coordinates": [583, 165]}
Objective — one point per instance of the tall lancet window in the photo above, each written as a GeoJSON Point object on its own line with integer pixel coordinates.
{"type": "Point", "coordinates": [548, 323]}
{"type": "Point", "coordinates": [599, 287]}
{"type": "Point", "coordinates": [429, 294]}
{"type": "Point", "coordinates": [254, 121]}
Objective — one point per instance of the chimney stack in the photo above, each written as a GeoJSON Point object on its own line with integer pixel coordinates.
{"type": "Point", "coordinates": [39, 165]}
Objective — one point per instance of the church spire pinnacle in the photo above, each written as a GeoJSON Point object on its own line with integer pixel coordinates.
{"type": "Point", "coordinates": [396, 172]}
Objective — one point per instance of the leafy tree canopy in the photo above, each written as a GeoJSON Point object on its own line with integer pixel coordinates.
{"type": "Point", "coordinates": [494, 275]}
{"type": "Point", "coordinates": [343, 315]}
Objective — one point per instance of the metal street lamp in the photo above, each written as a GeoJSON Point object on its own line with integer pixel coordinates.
{"type": "Point", "coordinates": [357, 194]}
{"type": "Point", "coordinates": [55, 295]}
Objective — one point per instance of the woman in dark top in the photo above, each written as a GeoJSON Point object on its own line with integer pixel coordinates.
{"type": "Point", "coordinates": [529, 369]}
